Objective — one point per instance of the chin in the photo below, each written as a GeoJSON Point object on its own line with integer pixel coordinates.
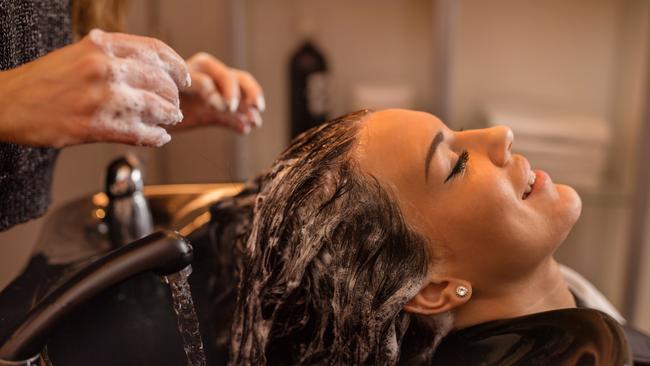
{"type": "Point", "coordinates": [570, 206]}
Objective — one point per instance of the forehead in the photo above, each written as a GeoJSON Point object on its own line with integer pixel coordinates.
{"type": "Point", "coordinates": [394, 141]}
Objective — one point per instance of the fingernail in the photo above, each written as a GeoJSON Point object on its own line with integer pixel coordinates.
{"type": "Point", "coordinates": [188, 80]}
{"type": "Point", "coordinates": [233, 104]}
{"type": "Point", "coordinates": [257, 118]}
{"type": "Point", "coordinates": [260, 102]}
{"type": "Point", "coordinates": [179, 116]}
{"type": "Point", "coordinates": [95, 32]}
{"type": "Point", "coordinates": [164, 139]}
{"type": "Point", "coordinates": [216, 102]}
{"type": "Point", "coordinates": [96, 36]}
{"type": "Point", "coordinates": [246, 129]}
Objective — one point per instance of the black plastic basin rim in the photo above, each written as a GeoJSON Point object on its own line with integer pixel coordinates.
{"type": "Point", "coordinates": [163, 252]}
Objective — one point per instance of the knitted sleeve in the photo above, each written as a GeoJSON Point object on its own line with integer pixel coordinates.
{"type": "Point", "coordinates": [28, 29]}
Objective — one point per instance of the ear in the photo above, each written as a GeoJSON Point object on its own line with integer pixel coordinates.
{"type": "Point", "coordinates": [439, 295]}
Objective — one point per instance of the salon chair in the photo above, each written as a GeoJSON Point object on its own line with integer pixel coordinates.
{"type": "Point", "coordinates": [131, 322]}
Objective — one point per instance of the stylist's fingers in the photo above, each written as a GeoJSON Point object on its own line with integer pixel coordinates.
{"type": "Point", "coordinates": [146, 77]}
{"type": "Point", "coordinates": [144, 49]}
{"type": "Point", "coordinates": [158, 111]}
{"type": "Point", "coordinates": [224, 78]}
{"type": "Point", "coordinates": [153, 136]}
{"type": "Point", "coordinates": [140, 135]}
{"type": "Point", "coordinates": [238, 122]}
{"type": "Point", "coordinates": [203, 86]}
{"type": "Point", "coordinates": [252, 117]}
{"type": "Point", "coordinates": [252, 95]}
{"type": "Point", "coordinates": [134, 116]}
{"type": "Point", "coordinates": [243, 122]}
{"type": "Point", "coordinates": [115, 125]}
{"type": "Point", "coordinates": [129, 105]}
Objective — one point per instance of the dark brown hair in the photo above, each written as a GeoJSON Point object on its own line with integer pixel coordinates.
{"type": "Point", "coordinates": [328, 262]}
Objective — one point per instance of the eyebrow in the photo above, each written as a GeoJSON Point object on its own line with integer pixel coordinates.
{"type": "Point", "coordinates": [437, 139]}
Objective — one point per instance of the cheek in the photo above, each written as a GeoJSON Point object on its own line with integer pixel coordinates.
{"type": "Point", "coordinates": [479, 214]}
{"type": "Point", "coordinates": [491, 232]}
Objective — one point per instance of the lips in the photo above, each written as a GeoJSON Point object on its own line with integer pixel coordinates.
{"type": "Point", "coordinates": [532, 177]}
{"type": "Point", "coordinates": [528, 178]}
{"type": "Point", "coordinates": [541, 178]}
{"type": "Point", "coordinates": [536, 179]}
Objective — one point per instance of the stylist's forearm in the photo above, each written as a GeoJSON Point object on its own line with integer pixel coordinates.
{"type": "Point", "coordinates": [28, 113]}
{"type": "Point", "coordinates": [7, 130]}
{"type": "Point", "coordinates": [17, 107]}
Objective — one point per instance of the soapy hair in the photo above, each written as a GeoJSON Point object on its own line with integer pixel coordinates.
{"type": "Point", "coordinates": [328, 263]}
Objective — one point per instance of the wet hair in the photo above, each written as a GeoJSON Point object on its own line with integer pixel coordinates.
{"type": "Point", "coordinates": [328, 262]}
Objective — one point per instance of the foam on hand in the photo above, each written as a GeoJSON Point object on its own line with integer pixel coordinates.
{"type": "Point", "coordinates": [123, 114]}
{"type": "Point", "coordinates": [144, 81]}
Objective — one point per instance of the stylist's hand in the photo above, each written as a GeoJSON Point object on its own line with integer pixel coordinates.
{"type": "Point", "coordinates": [109, 87]}
{"type": "Point", "coordinates": [221, 95]}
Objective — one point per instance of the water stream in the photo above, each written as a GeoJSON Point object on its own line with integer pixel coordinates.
{"type": "Point", "coordinates": [188, 323]}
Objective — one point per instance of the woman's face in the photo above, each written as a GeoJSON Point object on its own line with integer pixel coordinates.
{"type": "Point", "coordinates": [466, 192]}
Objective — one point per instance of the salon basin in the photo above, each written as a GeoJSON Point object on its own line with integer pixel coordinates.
{"type": "Point", "coordinates": [132, 323]}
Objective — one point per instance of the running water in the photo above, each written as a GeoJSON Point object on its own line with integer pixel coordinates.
{"type": "Point", "coordinates": [188, 323]}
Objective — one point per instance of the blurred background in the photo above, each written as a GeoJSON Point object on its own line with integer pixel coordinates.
{"type": "Point", "coordinates": [570, 77]}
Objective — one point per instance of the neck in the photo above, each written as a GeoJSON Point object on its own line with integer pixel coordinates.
{"type": "Point", "coordinates": [543, 290]}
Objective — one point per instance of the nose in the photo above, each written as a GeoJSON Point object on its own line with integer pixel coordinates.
{"type": "Point", "coordinates": [499, 144]}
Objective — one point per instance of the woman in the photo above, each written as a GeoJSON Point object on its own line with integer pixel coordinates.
{"type": "Point", "coordinates": [380, 237]}
{"type": "Point", "coordinates": [63, 84]}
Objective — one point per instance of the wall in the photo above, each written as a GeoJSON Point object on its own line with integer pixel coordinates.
{"type": "Point", "coordinates": [556, 51]}
{"type": "Point", "coordinates": [633, 96]}
{"type": "Point", "coordinates": [365, 41]}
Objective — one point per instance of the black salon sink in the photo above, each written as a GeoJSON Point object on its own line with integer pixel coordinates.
{"type": "Point", "coordinates": [132, 323]}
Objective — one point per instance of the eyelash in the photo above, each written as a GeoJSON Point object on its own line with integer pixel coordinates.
{"type": "Point", "coordinates": [460, 166]}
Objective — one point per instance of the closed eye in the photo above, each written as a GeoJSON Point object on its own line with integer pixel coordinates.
{"type": "Point", "coordinates": [460, 166]}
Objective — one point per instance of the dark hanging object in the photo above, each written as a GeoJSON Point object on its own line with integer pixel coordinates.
{"type": "Point", "coordinates": [308, 80]}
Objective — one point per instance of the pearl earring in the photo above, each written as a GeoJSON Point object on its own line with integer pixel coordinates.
{"type": "Point", "coordinates": [462, 291]}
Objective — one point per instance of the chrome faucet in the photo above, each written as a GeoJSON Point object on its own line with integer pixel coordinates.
{"type": "Point", "coordinates": [128, 217]}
